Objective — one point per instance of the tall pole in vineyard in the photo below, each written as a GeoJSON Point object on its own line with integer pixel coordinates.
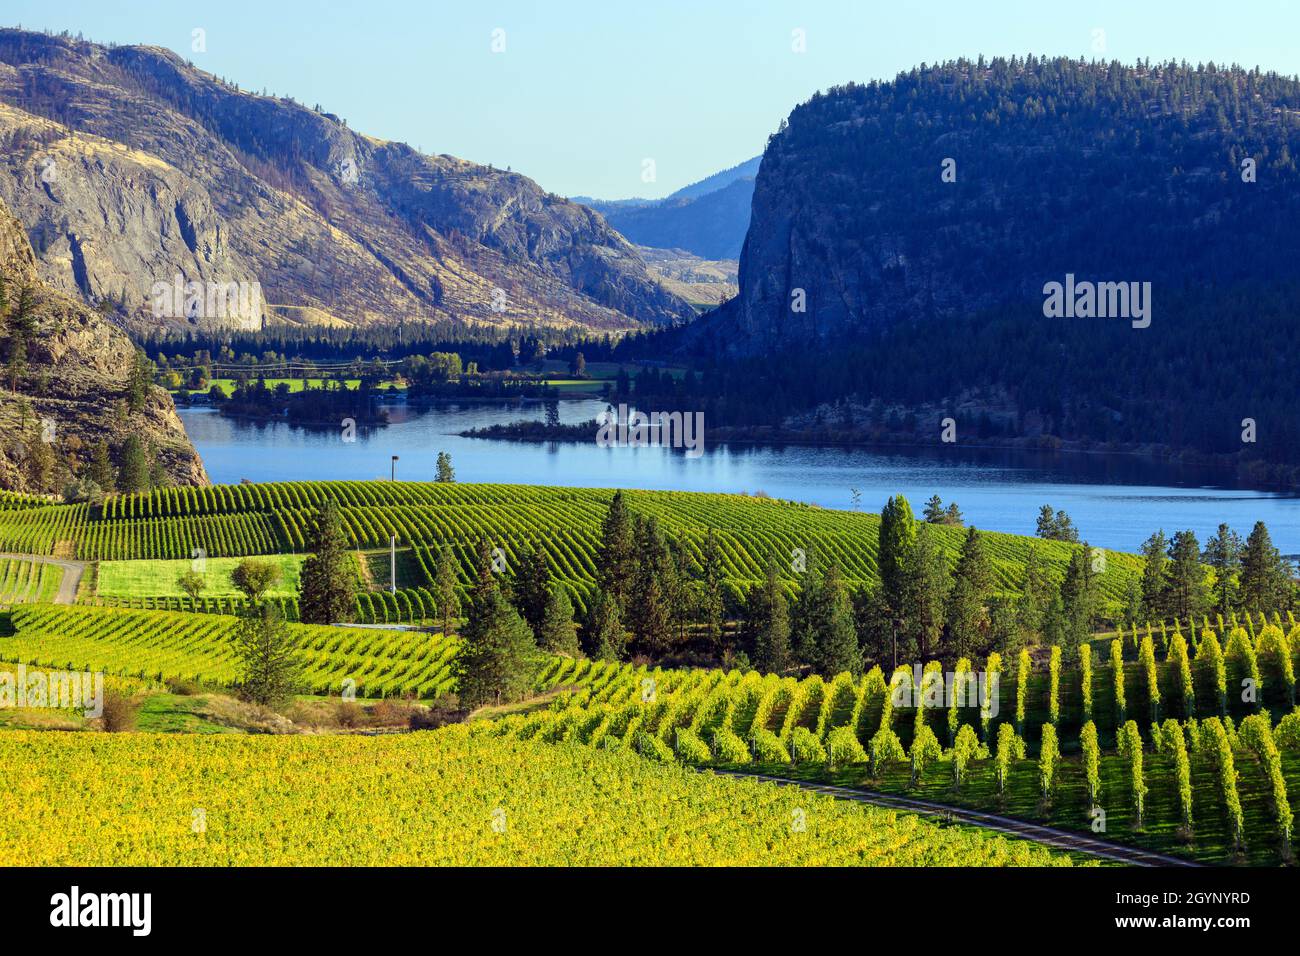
{"type": "Point", "coordinates": [392, 564]}
{"type": "Point", "coordinates": [393, 472]}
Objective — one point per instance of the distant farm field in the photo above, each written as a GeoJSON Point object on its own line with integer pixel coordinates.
{"type": "Point", "coordinates": [129, 579]}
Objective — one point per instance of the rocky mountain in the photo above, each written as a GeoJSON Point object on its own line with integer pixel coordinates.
{"type": "Point", "coordinates": [73, 387]}
{"type": "Point", "coordinates": [1044, 250]}
{"type": "Point", "coordinates": [707, 219]}
{"type": "Point", "coordinates": [966, 187]}
{"type": "Point", "coordinates": [136, 174]}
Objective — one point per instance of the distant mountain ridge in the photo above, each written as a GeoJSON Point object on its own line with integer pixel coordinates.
{"type": "Point", "coordinates": [129, 166]}
{"type": "Point", "coordinates": [707, 218]}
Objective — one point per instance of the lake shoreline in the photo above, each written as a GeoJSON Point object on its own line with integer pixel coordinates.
{"type": "Point", "coordinates": [539, 433]}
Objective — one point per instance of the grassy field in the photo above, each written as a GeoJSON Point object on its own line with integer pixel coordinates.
{"type": "Point", "coordinates": [129, 579]}
{"type": "Point", "coordinates": [437, 798]}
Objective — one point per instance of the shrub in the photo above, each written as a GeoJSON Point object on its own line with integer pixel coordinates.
{"type": "Point", "coordinates": [690, 748]}
{"type": "Point", "coordinates": [1182, 668]}
{"type": "Point", "coordinates": [1022, 689]}
{"type": "Point", "coordinates": [842, 747]}
{"type": "Point", "coordinates": [885, 746]}
{"type": "Point", "coordinates": [1091, 761]}
{"type": "Point", "coordinates": [1130, 747]}
{"type": "Point", "coordinates": [925, 750]}
{"type": "Point", "coordinates": [1011, 747]}
{"type": "Point", "coordinates": [1147, 661]}
{"type": "Point", "coordinates": [1054, 685]}
{"type": "Point", "coordinates": [1049, 755]}
{"type": "Point", "coordinates": [805, 747]}
{"type": "Point", "coordinates": [964, 749]}
{"type": "Point", "coordinates": [1287, 734]}
{"type": "Point", "coordinates": [348, 713]}
{"type": "Point", "coordinates": [184, 687]}
{"type": "Point", "coordinates": [1173, 744]}
{"type": "Point", "coordinates": [1217, 751]}
{"type": "Point", "coordinates": [1085, 680]}
{"type": "Point", "coordinates": [1117, 680]}
{"type": "Point", "coordinates": [1209, 659]}
{"type": "Point", "coordinates": [768, 748]}
{"type": "Point", "coordinates": [1273, 650]}
{"type": "Point", "coordinates": [961, 678]}
{"type": "Point", "coordinates": [993, 666]}
{"type": "Point", "coordinates": [648, 745]}
{"type": "Point", "coordinates": [728, 748]}
{"type": "Point", "coordinates": [1240, 650]}
{"type": "Point", "coordinates": [1257, 736]}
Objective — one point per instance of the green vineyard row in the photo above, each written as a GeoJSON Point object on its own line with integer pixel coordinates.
{"type": "Point", "coordinates": [242, 520]}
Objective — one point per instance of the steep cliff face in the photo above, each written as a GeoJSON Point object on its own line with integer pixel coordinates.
{"type": "Point", "coordinates": [130, 167]}
{"type": "Point", "coordinates": [964, 188]}
{"type": "Point", "coordinates": [72, 389]}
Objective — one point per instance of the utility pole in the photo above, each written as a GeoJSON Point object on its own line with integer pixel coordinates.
{"type": "Point", "coordinates": [393, 474]}
{"type": "Point", "coordinates": [392, 564]}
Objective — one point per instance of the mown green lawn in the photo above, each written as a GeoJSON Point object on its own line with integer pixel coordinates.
{"type": "Point", "coordinates": [129, 579]}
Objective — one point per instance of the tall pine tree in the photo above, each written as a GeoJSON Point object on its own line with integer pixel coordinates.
{"type": "Point", "coordinates": [327, 582]}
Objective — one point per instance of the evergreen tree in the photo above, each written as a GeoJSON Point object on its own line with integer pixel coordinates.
{"type": "Point", "coordinates": [616, 557]}
{"type": "Point", "coordinates": [967, 614]}
{"type": "Point", "coordinates": [652, 622]}
{"type": "Point", "coordinates": [933, 513]}
{"type": "Point", "coordinates": [928, 587]}
{"type": "Point", "coordinates": [1153, 576]}
{"type": "Point", "coordinates": [1185, 591]}
{"type": "Point", "coordinates": [532, 588]}
{"type": "Point", "coordinates": [766, 630]}
{"type": "Point", "coordinates": [139, 381]}
{"type": "Point", "coordinates": [897, 540]}
{"type": "Point", "coordinates": [837, 644]}
{"type": "Point", "coordinates": [1056, 526]}
{"type": "Point", "coordinates": [101, 467]}
{"type": "Point", "coordinates": [1265, 578]}
{"type": "Point", "coordinates": [559, 633]}
{"type": "Point", "coordinates": [1223, 554]}
{"type": "Point", "coordinates": [21, 326]}
{"type": "Point", "coordinates": [498, 659]}
{"type": "Point", "coordinates": [445, 596]}
{"type": "Point", "coordinates": [136, 466]}
{"type": "Point", "coordinates": [604, 637]}
{"type": "Point", "coordinates": [712, 607]}
{"type": "Point", "coordinates": [269, 670]}
{"type": "Point", "coordinates": [327, 582]}
{"type": "Point", "coordinates": [444, 473]}
{"type": "Point", "coordinates": [1032, 605]}
{"type": "Point", "coordinates": [485, 573]}
{"type": "Point", "coordinates": [825, 633]}
{"type": "Point", "coordinates": [1078, 602]}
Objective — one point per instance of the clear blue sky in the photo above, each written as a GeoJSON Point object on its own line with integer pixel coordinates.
{"type": "Point", "coordinates": [584, 92]}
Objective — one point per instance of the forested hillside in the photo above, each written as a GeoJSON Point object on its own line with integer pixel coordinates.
{"type": "Point", "coordinates": [903, 233]}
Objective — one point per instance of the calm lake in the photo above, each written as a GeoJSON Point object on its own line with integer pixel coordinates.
{"type": "Point", "coordinates": [1116, 501]}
